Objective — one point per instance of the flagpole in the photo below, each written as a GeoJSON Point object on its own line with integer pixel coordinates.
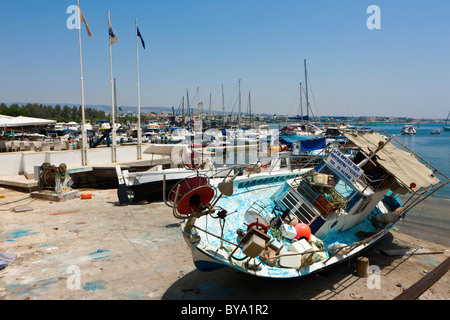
{"type": "Point", "coordinates": [83, 120]}
{"type": "Point", "coordinates": [113, 129]}
{"type": "Point", "coordinates": [139, 147]}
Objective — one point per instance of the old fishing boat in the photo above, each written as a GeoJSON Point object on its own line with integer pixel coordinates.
{"type": "Point", "coordinates": [294, 223]}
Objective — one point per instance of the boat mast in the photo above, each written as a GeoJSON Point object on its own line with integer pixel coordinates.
{"type": "Point", "coordinates": [200, 112]}
{"type": "Point", "coordinates": [182, 112]}
{"type": "Point", "coordinates": [250, 109]}
{"type": "Point", "coordinates": [306, 92]}
{"type": "Point", "coordinates": [189, 109]}
{"type": "Point", "coordinates": [223, 108]}
{"type": "Point", "coordinates": [239, 114]}
{"type": "Point", "coordinates": [210, 102]}
{"type": "Point", "coordinates": [301, 103]}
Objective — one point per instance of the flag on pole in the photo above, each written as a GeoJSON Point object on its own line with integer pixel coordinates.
{"type": "Point", "coordinates": [142, 40]}
{"type": "Point", "coordinates": [112, 36]}
{"type": "Point", "coordinates": [82, 19]}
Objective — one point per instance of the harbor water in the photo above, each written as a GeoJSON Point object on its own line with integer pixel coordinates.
{"type": "Point", "coordinates": [434, 148]}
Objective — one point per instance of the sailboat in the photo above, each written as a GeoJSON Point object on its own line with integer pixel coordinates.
{"type": "Point", "coordinates": [445, 127]}
{"type": "Point", "coordinates": [304, 128]}
{"type": "Point", "coordinates": [294, 223]}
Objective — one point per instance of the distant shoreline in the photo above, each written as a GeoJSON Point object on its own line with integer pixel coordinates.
{"type": "Point", "coordinates": [282, 118]}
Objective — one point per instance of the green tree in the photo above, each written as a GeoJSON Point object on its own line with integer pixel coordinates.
{"type": "Point", "coordinates": [66, 113]}
{"type": "Point", "coordinates": [4, 109]}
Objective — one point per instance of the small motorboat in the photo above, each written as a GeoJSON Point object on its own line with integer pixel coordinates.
{"type": "Point", "coordinates": [408, 130]}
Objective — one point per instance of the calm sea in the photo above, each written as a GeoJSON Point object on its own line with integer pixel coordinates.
{"type": "Point", "coordinates": [434, 148]}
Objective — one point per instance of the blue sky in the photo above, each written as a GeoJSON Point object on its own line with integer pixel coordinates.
{"type": "Point", "coordinates": [402, 69]}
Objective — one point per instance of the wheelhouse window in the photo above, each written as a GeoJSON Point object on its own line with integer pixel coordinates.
{"type": "Point", "coordinates": [341, 186]}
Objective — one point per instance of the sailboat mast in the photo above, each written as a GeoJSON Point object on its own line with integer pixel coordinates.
{"type": "Point", "coordinates": [189, 109]}
{"type": "Point", "coordinates": [301, 102]}
{"type": "Point", "coordinates": [200, 112]}
{"type": "Point", "coordinates": [239, 114]}
{"type": "Point", "coordinates": [250, 109]}
{"type": "Point", "coordinates": [223, 108]}
{"type": "Point", "coordinates": [210, 102]}
{"type": "Point", "coordinates": [182, 112]}
{"type": "Point", "coordinates": [306, 92]}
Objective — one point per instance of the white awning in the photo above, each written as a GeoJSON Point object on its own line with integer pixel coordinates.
{"type": "Point", "coordinates": [6, 121]}
{"type": "Point", "coordinates": [403, 165]}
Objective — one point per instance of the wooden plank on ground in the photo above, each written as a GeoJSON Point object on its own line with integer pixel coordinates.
{"type": "Point", "coordinates": [409, 251]}
{"type": "Point", "coordinates": [417, 289]}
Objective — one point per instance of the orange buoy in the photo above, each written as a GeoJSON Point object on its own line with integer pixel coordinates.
{"type": "Point", "coordinates": [86, 195]}
{"type": "Point", "coordinates": [303, 232]}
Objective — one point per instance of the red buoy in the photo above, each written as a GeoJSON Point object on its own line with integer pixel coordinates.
{"type": "Point", "coordinates": [303, 232]}
{"type": "Point", "coordinates": [192, 200]}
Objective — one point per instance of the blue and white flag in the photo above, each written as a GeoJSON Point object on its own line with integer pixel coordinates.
{"type": "Point", "coordinates": [112, 36]}
{"type": "Point", "coordinates": [142, 40]}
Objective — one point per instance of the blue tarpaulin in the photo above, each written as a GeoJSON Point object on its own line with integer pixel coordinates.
{"type": "Point", "coordinates": [312, 144]}
{"type": "Point", "coordinates": [293, 139]}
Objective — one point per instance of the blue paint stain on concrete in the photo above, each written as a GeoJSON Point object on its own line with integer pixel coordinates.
{"type": "Point", "coordinates": [31, 288]}
{"type": "Point", "coordinates": [100, 254]}
{"type": "Point", "coordinates": [17, 289]}
{"type": "Point", "coordinates": [98, 251]}
{"type": "Point", "coordinates": [16, 234]}
{"type": "Point", "coordinates": [95, 285]}
{"type": "Point", "coordinates": [50, 244]}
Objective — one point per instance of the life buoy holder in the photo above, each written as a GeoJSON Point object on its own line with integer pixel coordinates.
{"type": "Point", "coordinates": [193, 200]}
{"type": "Point", "coordinates": [187, 185]}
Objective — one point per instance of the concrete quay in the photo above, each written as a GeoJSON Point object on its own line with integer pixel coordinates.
{"type": "Point", "coordinates": [95, 249]}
